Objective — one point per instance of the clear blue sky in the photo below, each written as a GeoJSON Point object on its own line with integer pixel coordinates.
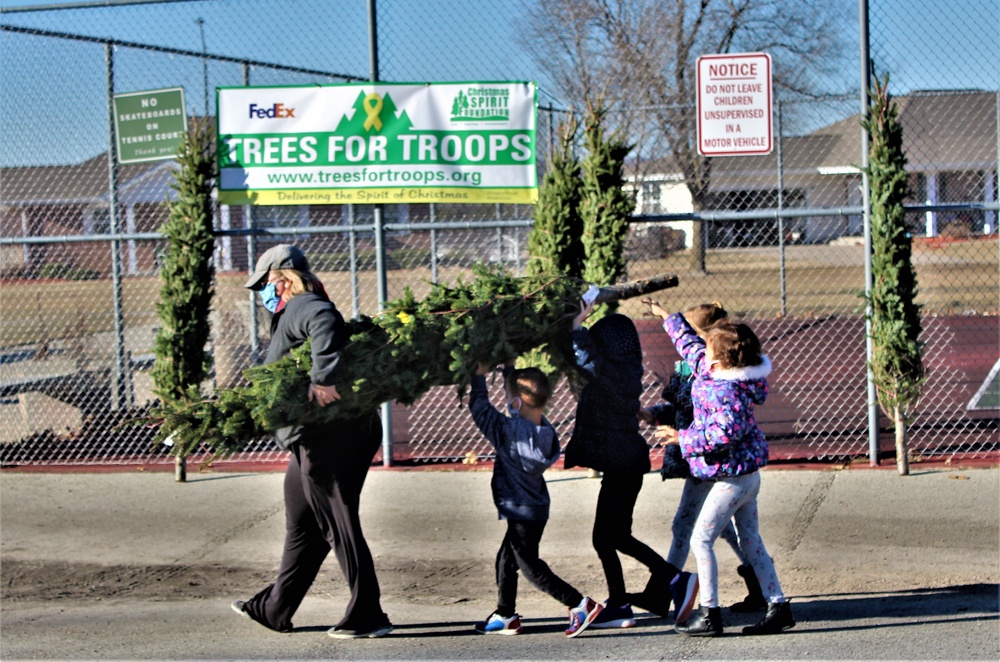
{"type": "Point", "coordinates": [52, 107]}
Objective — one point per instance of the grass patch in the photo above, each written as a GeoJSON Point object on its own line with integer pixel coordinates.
{"type": "Point", "coordinates": [958, 278]}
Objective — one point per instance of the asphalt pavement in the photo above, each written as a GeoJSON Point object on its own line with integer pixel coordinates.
{"type": "Point", "coordinates": [877, 566]}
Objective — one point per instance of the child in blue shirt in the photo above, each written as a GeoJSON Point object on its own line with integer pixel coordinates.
{"type": "Point", "coordinates": [526, 445]}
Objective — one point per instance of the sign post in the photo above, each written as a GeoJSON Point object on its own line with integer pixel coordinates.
{"type": "Point", "coordinates": [150, 125]}
{"type": "Point", "coordinates": [734, 104]}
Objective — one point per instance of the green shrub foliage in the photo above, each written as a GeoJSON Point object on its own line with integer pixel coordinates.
{"type": "Point", "coordinates": [182, 362]}
{"type": "Point", "coordinates": [555, 242]}
{"type": "Point", "coordinates": [897, 363]}
{"type": "Point", "coordinates": [604, 206]}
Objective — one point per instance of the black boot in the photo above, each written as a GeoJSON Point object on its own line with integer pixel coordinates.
{"type": "Point", "coordinates": [655, 598]}
{"type": "Point", "coordinates": [755, 600]}
{"type": "Point", "coordinates": [706, 622]}
{"type": "Point", "coordinates": [778, 618]}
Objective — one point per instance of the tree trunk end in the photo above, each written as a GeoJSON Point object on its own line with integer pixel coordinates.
{"type": "Point", "coordinates": [636, 288]}
{"type": "Point", "coordinates": [902, 452]}
{"type": "Point", "coordinates": [180, 469]}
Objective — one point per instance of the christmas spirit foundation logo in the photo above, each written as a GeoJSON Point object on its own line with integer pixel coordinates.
{"type": "Point", "coordinates": [481, 104]}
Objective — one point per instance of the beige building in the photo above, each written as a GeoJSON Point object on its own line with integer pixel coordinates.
{"type": "Point", "coordinates": [950, 139]}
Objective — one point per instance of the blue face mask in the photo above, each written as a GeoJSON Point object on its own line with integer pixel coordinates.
{"type": "Point", "coordinates": [514, 407]}
{"type": "Point", "coordinates": [269, 297]}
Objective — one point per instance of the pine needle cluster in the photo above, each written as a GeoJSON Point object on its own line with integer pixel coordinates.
{"type": "Point", "coordinates": [555, 243]}
{"type": "Point", "coordinates": [605, 206]}
{"type": "Point", "coordinates": [399, 355]}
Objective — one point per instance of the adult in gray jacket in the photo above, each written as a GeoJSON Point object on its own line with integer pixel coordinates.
{"type": "Point", "coordinates": [328, 463]}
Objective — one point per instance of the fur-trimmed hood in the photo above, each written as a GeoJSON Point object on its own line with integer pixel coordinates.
{"type": "Point", "coordinates": [748, 374]}
{"type": "Point", "coordinates": [751, 381]}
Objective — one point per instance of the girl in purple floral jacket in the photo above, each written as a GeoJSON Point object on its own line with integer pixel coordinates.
{"type": "Point", "coordinates": [724, 445]}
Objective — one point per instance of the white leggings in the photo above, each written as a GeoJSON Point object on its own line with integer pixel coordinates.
{"type": "Point", "coordinates": [692, 497]}
{"type": "Point", "coordinates": [733, 499]}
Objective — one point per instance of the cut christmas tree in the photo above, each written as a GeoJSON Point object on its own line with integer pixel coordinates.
{"type": "Point", "coordinates": [411, 347]}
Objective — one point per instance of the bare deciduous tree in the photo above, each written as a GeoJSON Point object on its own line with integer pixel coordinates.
{"type": "Point", "coordinates": [641, 55]}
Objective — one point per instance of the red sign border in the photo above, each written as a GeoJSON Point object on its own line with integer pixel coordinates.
{"type": "Point", "coordinates": [770, 103]}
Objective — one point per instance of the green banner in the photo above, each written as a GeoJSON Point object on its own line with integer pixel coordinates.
{"type": "Point", "coordinates": [377, 142]}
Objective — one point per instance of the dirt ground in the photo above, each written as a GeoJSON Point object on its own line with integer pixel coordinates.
{"type": "Point", "coordinates": [425, 545]}
{"type": "Point", "coordinates": [113, 566]}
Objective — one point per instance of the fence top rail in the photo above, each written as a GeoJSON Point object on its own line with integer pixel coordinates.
{"type": "Point", "coordinates": [178, 51]}
{"type": "Point", "coordinates": [760, 214]}
{"type": "Point", "coordinates": [83, 5]}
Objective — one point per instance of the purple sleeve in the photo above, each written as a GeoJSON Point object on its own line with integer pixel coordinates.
{"type": "Point", "coordinates": [689, 344]}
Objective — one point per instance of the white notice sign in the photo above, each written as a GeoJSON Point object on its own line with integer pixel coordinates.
{"type": "Point", "coordinates": [734, 104]}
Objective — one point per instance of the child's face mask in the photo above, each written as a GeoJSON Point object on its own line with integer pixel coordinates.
{"type": "Point", "coordinates": [269, 297]}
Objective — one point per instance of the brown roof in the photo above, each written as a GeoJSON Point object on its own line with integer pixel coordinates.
{"type": "Point", "coordinates": [65, 184]}
{"type": "Point", "coordinates": [944, 130]}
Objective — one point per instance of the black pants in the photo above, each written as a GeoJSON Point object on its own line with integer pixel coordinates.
{"type": "Point", "coordinates": [613, 532]}
{"type": "Point", "coordinates": [322, 495]}
{"type": "Point", "coordinates": [519, 550]}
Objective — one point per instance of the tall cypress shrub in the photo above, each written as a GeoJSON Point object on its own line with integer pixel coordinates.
{"type": "Point", "coordinates": [555, 242]}
{"type": "Point", "coordinates": [897, 357]}
{"type": "Point", "coordinates": [182, 361]}
{"type": "Point", "coordinates": [605, 206]}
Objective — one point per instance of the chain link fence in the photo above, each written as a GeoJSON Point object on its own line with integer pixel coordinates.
{"type": "Point", "coordinates": [782, 233]}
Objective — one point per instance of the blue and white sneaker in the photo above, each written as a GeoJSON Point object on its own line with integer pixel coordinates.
{"type": "Point", "coordinates": [614, 616]}
{"type": "Point", "coordinates": [497, 624]}
{"type": "Point", "coordinates": [684, 590]}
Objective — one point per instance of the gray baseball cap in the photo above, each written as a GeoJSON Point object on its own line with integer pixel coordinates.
{"type": "Point", "coordinates": [282, 256]}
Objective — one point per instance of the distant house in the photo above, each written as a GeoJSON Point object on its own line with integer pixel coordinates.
{"type": "Point", "coordinates": [950, 139]}
{"type": "Point", "coordinates": [72, 201]}
{"type": "Point", "coordinates": [46, 201]}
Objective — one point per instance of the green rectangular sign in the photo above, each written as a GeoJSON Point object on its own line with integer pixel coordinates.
{"type": "Point", "coordinates": [150, 125]}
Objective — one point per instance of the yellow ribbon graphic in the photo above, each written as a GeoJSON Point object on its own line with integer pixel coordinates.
{"type": "Point", "coordinates": [373, 106]}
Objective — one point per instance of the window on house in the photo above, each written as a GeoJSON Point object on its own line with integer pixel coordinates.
{"type": "Point", "coordinates": [97, 221]}
{"type": "Point", "coordinates": [652, 201]}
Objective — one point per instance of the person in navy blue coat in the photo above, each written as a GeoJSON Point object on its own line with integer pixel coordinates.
{"type": "Point", "coordinates": [526, 445]}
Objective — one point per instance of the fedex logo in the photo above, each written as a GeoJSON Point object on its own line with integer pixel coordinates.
{"type": "Point", "coordinates": [277, 111]}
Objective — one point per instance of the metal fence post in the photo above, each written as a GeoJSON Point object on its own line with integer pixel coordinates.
{"type": "Point", "coordinates": [434, 250]}
{"type": "Point", "coordinates": [352, 243]}
{"type": "Point", "coordinates": [251, 254]}
{"type": "Point", "coordinates": [380, 266]}
{"type": "Point", "coordinates": [867, 215]}
{"type": "Point", "coordinates": [781, 220]}
{"type": "Point", "coordinates": [119, 387]}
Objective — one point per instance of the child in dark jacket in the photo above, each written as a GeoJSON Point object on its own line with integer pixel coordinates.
{"type": "Point", "coordinates": [723, 445]}
{"type": "Point", "coordinates": [526, 445]}
{"type": "Point", "coordinates": [606, 438]}
{"type": "Point", "coordinates": [677, 411]}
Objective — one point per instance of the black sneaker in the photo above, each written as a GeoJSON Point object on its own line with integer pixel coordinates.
{"type": "Point", "coordinates": [614, 616]}
{"type": "Point", "coordinates": [366, 633]}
